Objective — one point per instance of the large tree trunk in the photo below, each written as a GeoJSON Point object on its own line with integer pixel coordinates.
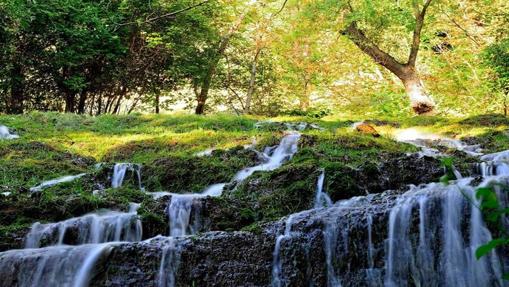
{"type": "Point", "coordinates": [15, 103]}
{"type": "Point", "coordinates": [420, 100]}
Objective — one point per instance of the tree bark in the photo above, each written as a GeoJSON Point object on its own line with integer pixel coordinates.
{"type": "Point", "coordinates": [69, 101]}
{"type": "Point", "coordinates": [252, 81]}
{"type": "Point", "coordinates": [81, 102]}
{"type": "Point", "coordinates": [15, 103]}
{"type": "Point", "coordinates": [157, 100]}
{"type": "Point", "coordinates": [211, 71]}
{"type": "Point", "coordinates": [420, 100]}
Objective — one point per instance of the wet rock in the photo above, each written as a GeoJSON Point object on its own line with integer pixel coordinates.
{"type": "Point", "coordinates": [344, 182]}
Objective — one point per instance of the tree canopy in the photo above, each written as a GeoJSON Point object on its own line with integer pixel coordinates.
{"type": "Point", "coordinates": [260, 57]}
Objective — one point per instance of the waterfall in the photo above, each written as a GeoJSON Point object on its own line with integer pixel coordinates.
{"type": "Point", "coordinates": [276, 261]}
{"type": "Point", "coordinates": [184, 215]}
{"type": "Point", "coordinates": [6, 134]}
{"type": "Point", "coordinates": [53, 182]}
{"type": "Point", "coordinates": [55, 266]}
{"type": "Point", "coordinates": [106, 226]}
{"type": "Point", "coordinates": [282, 153]}
{"type": "Point", "coordinates": [322, 199]}
{"type": "Point", "coordinates": [120, 170]}
{"type": "Point", "coordinates": [169, 264]}
{"type": "Point", "coordinates": [455, 263]}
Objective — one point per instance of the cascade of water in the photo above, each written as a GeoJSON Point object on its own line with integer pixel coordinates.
{"type": "Point", "coordinates": [53, 182]}
{"type": "Point", "coordinates": [456, 264]}
{"type": "Point", "coordinates": [277, 265]}
{"type": "Point", "coordinates": [54, 266]}
{"type": "Point", "coordinates": [181, 208]}
{"type": "Point", "coordinates": [6, 134]}
{"type": "Point", "coordinates": [330, 237]}
{"type": "Point", "coordinates": [120, 170]}
{"type": "Point", "coordinates": [424, 140]}
{"type": "Point", "coordinates": [169, 264]}
{"type": "Point", "coordinates": [373, 275]}
{"type": "Point", "coordinates": [322, 199]}
{"type": "Point", "coordinates": [283, 152]}
{"type": "Point", "coordinates": [106, 226]}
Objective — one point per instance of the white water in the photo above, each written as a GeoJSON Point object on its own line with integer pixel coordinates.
{"type": "Point", "coordinates": [106, 226]}
{"type": "Point", "coordinates": [56, 265]}
{"type": "Point", "coordinates": [282, 153]}
{"type": "Point", "coordinates": [169, 264]}
{"type": "Point", "coordinates": [120, 170]}
{"type": "Point", "coordinates": [184, 215]}
{"type": "Point", "coordinates": [456, 265]}
{"type": "Point", "coordinates": [277, 280]}
{"type": "Point", "coordinates": [424, 140]}
{"type": "Point", "coordinates": [53, 182]}
{"type": "Point", "coordinates": [6, 134]}
{"type": "Point", "coordinates": [322, 199]}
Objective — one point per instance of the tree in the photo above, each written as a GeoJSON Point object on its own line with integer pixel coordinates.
{"type": "Point", "coordinates": [497, 58]}
{"type": "Point", "coordinates": [420, 99]}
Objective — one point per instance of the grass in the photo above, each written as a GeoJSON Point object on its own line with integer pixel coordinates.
{"type": "Point", "coordinates": [53, 145]}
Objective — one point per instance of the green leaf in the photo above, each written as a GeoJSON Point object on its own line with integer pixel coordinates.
{"type": "Point", "coordinates": [487, 248]}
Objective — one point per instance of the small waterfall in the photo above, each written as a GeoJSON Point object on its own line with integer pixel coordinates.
{"type": "Point", "coordinates": [182, 208]}
{"type": "Point", "coordinates": [456, 264]}
{"type": "Point", "coordinates": [120, 170]}
{"type": "Point", "coordinates": [169, 264]}
{"type": "Point", "coordinates": [277, 265]}
{"type": "Point", "coordinates": [106, 226]}
{"type": "Point", "coordinates": [184, 215]}
{"type": "Point", "coordinates": [282, 153]}
{"type": "Point", "coordinates": [52, 266]}
{"type": "Point", "coordinates": [322, 199]}
{"type": "Point", "coordinates": [53, 182]}
{"type": "Point", "coordinates": [330, 237]}
{"type": "Point", "coordinates": [424, 140]}
{"type": "Point", "coordinates": [5, 134]}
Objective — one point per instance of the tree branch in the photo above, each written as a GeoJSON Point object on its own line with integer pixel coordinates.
{"type": "Point", "coordinates": [166, 15]}
{"type": "Point", "coordinates": [371, 49]}
{"type": "Point", "coordinates": [280, 9]}
{"type": "Point", "coordinates": [416, 39]}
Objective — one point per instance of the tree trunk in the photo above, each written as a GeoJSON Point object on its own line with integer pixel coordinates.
{"type": "Point", "coordinates": [420, 100]}
{"type": "Point", "coordinates": [157, 100]}
{"type": "Point", "coordinates": [205, 87]}
{"type": "Point", "coordinates": [15, 103]}
{"type": "Point", "coordinates": [99, 104]}
{"type": "Point", "coordinates": [81, 102]}
{"type": "Point", "coordinates": [252, 80]}
{"type": "Point", "coordinates": [69, 101]}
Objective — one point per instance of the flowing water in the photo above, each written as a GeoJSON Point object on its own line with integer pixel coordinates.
{"type": "Point", "coordinates": [53, 182]}
{"type": "Point", "coordinates": [6, 134]}
{"type": "Point", "coordinates": [322, 199]}
{"type": "Point", "coordinates": [119, 173]}
{"type": "Point", "coordinates": [55, 266]}
{"type": "Point", "coordinates": [184, 210]}
{"type": "Point", "coordinates": [105, 226]}
{"type": "Point", "coordinates": [429, 235]}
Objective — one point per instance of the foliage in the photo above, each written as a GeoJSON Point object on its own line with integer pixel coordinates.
{"type": "Point", "coordinates": [495, 214]}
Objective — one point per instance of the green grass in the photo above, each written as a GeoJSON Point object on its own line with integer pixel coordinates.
{"type": "Point", "coordinates": [53, 145]}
